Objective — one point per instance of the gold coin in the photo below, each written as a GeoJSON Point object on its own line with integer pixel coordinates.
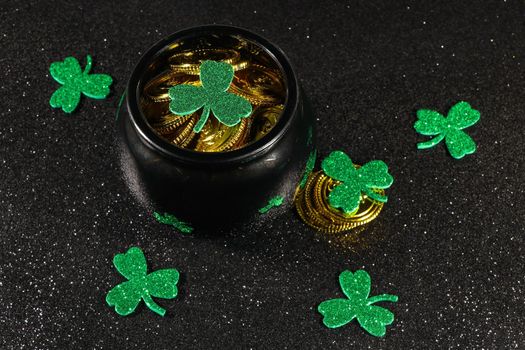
{"type": "Point", "coordinates": [237, 139]}
{"type": "Point", "coordinates": [309, 216]}
{"type": "Point", "coordinates": [314, 209]}
{"type": "Point", "coordinates": [264, 119]}
{"type": "Point", "coordinates": [255, 53]}
{"type": "Point", "coordinates": [217, 137]}
{"type": "Point", "coordinates": [154, 111]}
{"type": "Point", "coordinates": [189, 61]}
{"type": "Point", "coordinates": [240, 65]}
{"type": "Point", "coordinates": [259, 85]}
{"type": "Point", "coordinates": [189, 139]}
{"type": "Point", "coordinates": [211, 134]}
{"type": "Point", "coordinates": [317, 213]}
{"type": "Point", "coordinates": [245, 136]}
{"type": "Point", "coordinates": [363, 214]}
{"type": "Point", "coordinates": [250, 48]}
{"type": "Point", "coordinates": [184, 133]}
{"type": "Point", "coordinates": [169, 123]}
{"type": "Point", "coordinates": [157, 89]}
{"type": "Point", "coordinates": [256, 79]}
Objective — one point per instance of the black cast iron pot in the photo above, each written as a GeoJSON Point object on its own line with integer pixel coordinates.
{"type": "Point", "coordinates": [214, 189]}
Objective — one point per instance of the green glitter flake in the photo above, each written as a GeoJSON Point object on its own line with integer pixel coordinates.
{"type": "Point", "coordinates": [119, 106]}
{"type": "Point", "coordinates": [460, 116]}
{"type": "Point", "coordinates": [75, 83]}
{"type": "Point", "coordinates": [172, 220]}
{"type": "Point", "coordinates": [272, 203]}
{"type": "Point", "coordinates": [357, 304]}
{"type": "Point", "coordinates": [310, 136]}
{"type": "Point", "coordinates": [347, 195]}
{"type": "Point", "coordinates": [310, 164]}
{"type": "Point", "coordinates": [126, 296]}
{"type": "Point", "coordinates": [216, 78]}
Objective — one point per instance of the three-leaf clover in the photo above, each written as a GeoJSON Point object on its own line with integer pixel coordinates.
{"type": "Point", "coordinates": [347, 194]}
{"type": "Point", "coordinates": [459, 117]}
{"type": "Point", "coordinates": [216, 78]}
{"type": "Point", "coordinates": [76, 82]}
{"type": "Point", "coordinates": [356, 287]}
{"type": "Point", "coordinates": [141, 285]}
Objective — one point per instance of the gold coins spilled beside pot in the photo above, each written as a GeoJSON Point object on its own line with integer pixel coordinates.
{"type": "Point", "coordinates": [312, 205]}
{"type": "Point", "coordinates": [257, 78]}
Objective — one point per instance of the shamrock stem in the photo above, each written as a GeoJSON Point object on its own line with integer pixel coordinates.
{"type": "Point", "coordinates": [265, 209]}
{"type": "Point", "coordinates": [120, 105]}
{"type": "Point", "coordinates": [272, 203]}
{"type": "Point", "coordinates": [152, 305]}
{"type": "Point", "coordinates": [183, 227]}
{"type": "Point", "coordinates": [88, 64]}
{"type": "Point", "coordinates": [382, 297]}
{"type": "Point", "coordinates": [432, 142]}
{"type": "Point", "coordinates": [204, 117]}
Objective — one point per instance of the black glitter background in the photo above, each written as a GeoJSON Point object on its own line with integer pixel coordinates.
{"type": "Point", "coordinates": [449, 242]}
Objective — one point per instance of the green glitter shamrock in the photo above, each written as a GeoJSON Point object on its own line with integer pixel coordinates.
{"type": "Point", "coordinates": [216, 78]}
{"type": "Point", "coordinates": [272, 203]}
{"type": "Point", "coordinates": [75, 83]}
{"type": "Point", "coordinates": [460, 116]}
{"type": "Point", "coordinates": [310, 163]}
{"type": "Point", "coordinates": [356, 287]}
{"type": "Point", "coordinates": [172, 220]}
{"type": "Point", "coordinates": [127, 295]}
{"type": "Point", "coordinates": [347, 194]}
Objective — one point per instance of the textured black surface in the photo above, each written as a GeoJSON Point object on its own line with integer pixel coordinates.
{"type": "Point", "coordinates": [449, 242]}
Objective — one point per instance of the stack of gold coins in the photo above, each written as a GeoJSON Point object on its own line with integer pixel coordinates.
{"type": "Point", "coordinates": [311, 202]}
{"type": "Point", "coordinates": [256, 78]}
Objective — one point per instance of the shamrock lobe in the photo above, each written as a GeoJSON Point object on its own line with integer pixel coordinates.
{"type": "Point", "coordinates": [131, 264]}
{"type": "Point", "coordinates": [216, 77]}
{"type": "Point", "coordinates": [346, 196]}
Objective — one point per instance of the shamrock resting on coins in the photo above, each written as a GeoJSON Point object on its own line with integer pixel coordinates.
{"type": "Point", "coordinates": [76, 82]}
{"type": "Point", "coordinates": [141, 285]}
{"type": "Point", "coordinates": [347, 194]}
{"type": "Point", "coordinates": [215, 78]}
{"type": "Point", "coordinates": [460, 116]}
{"type": "Point", "coordinates": [356, 287]}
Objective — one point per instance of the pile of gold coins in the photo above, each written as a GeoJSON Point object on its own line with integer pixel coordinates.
{"type": "Point", "coordinates": [257, 78]}
{"type": "Point", "coordinates": [311, 202]}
